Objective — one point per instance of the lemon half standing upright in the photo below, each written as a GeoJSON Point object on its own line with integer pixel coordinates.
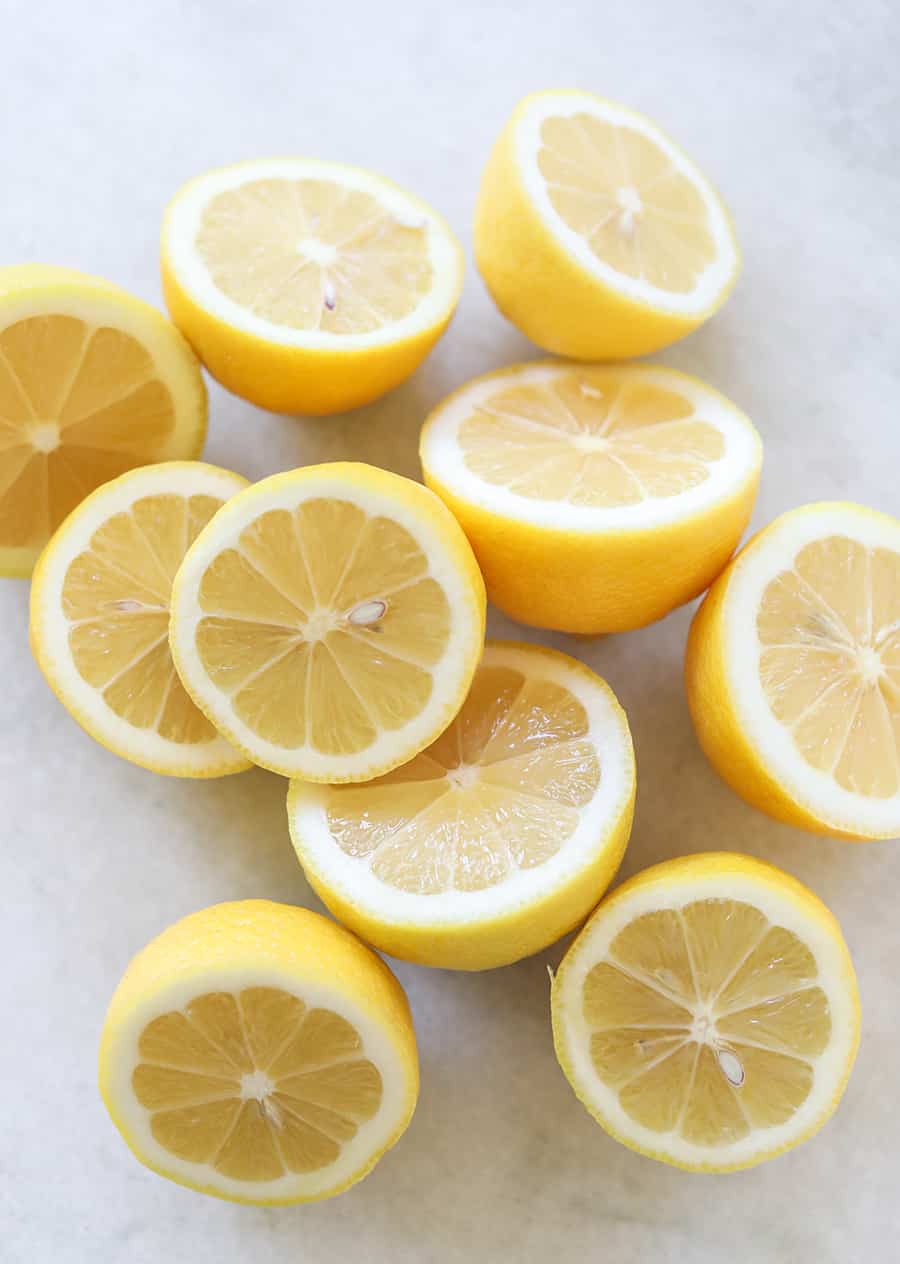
{"type": "Point", "coordinates": [307, 286]}
{"type": "Point", "coordinates": [260, 1053]}
{"type": "Point", "coordinates": [596, 235]}
{"type": "Point", "coordinates": [708, 1013]}
{"type": "Point", "coordinates": [596, 498]}
{"type": "Point", "coordinates": [93, 382]}
{"type": "Point", "coordinates": [793, 671]}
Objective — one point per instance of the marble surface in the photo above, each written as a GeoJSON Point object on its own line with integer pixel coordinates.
{"type": "Point", "coordinates": [107, 108]}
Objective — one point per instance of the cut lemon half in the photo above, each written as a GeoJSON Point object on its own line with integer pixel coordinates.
{"type": "Point", "coordinates": [305, 286]}
{"type": "Point", "coordinates": [595, 234]}
{"type": "Point", "coordinates": [329, 621]}
{"type": "Point", "coordinates": [708, 1014]}
{"type": "Point", "coordinates": [259, 1053]}
{"type": "Point", "coordinates": [497, 839]}
{"type": "Point", "coordinates": [793, 671]}
{"type": "Point", "coordinates": [100, 616]}
{"type": "Point", "coordinates": [596, 498]}
{"type": "Point", "coordinates": [92, 383]}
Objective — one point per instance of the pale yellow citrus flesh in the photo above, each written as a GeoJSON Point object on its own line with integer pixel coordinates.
{"type": "Point", "coordinates": [622, 194]}
{"type": "Point", "coordinates": [829, 627]}
{"type": "Point", "coordinates": [312, 254]}
{"type": "Point", "coordinates": [115, 599]}
{"type": "Point", "coordinates": [255, 1084]}
{"type": "Point", "coordinates": [498, 792]}
{"type": "Point", "coordinates": [322, 626]}
{"type": "Point", "coordinates": [590, 438]}
{"type": "Point", "coordinates": [79, 404]}
{"type": "Point", "coordinates": [706, 1021]}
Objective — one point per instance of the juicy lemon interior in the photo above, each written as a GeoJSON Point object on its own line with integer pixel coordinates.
{"type": "Point", "coordinates": [498, 792]}
{"type": "Point", "coordinates": [829, 630]}
{"type": "Point", "coordinates": [115, 597]}
{"type": "Point", "coordinates": [590, 438]}
{"type": "Point", "coordinates": [706, 1021]}
{"type": "Point", "coordinates": [314, 255]}
{"type": "Point", "coordinates": [621, 193]}
{"type": "Point", "coordinates": [323, 625]}
{"type": "Point", "coordinates": [255, 1083]}
{"type": "Point", "coordinates": [79, 405]}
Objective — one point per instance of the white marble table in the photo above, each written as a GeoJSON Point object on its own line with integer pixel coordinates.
{"type": "Point", "coordinates": [107, 108]}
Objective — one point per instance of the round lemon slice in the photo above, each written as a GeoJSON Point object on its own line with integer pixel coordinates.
{"type": "Point", "coordinates": [708, 1014]}
{"type": "Point", "coordinates": [596, 235]}
{"type": "Point", "coordinates": [793, 671]}
{"type": "Point", "coordinates": [93, 382]}
{"type": "Point", "coordinates": [596, 498]}
{"type": "Point", "coordinates": [259, 1053]}
{"type": "Point", "coordinates": [306, 286]}
{"type": "Point", "coordinates": [329, 621]}
{"type": "Point", "coordinates": [497, 839]}
{"type": "Point", "coordinates": [100, 616]}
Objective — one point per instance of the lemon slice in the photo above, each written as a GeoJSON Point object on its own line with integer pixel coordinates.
{"type": "Point", "coordinates": [708, 1015]}
{"type": "Point", "coordinates": [596, 499]}
{"type": "Point", "coordinates": [259, 1053]}
{"type": "Point", "coordinates": [793, 671]}
{"type": "Point", "coordinates": [329, 621]}
{"type": "Point", "coordinates": [100, 616]}
{"type": "Point", "coordinates": [595, 234]}
{"type": "Point", "coordinates": [305, 286]}
{"type": "Point", "coordinates": [92, 383]}
{"type": "Point", "coordinates": [497, 839]}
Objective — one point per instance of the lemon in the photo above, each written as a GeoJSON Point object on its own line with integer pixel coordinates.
{"type": "Point", "coordinates": [595, 234]}
{"type": "Point", "coordinates": [793, 671]}
{"type": "Point", "coordinates": [92, 383]}
{"type": "Point", "coordinates": [100, 616]}
{"type": "Point", "coordinates": [497, 839]}
{"type": "Point", "coordinates": [306, 286]}
{"type": "Point", "coordinates": [596, 498]}
{"type": "Point", "coordinates": [260, 1053]}
{"type": "Point", "coordinates": [329, 621]}
{"type": "Point", "coordinates": [708, 1014]}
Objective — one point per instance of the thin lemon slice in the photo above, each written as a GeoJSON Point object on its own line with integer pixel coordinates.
{"type": "Point", "coordinates": [595, 234]}
{"type": "Point", "coordinates": [93, 382]}
{"type": "Point", "coordinates": [793, 671]}
{"type": "Point", "coordinates": [497, 839]}
{"type": "Point", "coordinates": [305, 286]}
{"type": "Point", "coordinates": [596, 498]}
{"type": "Point", "coordinates": [100, 616]}
{"type": "Point", "coordinates": [259, 1053]}
{"type": "Point", "coordinates": [329, 621]}
{"type": "Point", "coordinates": [708, 1014]}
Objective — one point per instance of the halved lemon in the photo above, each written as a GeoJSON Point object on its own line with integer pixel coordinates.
{"type": "Point", "coordinates": [596, 498]}
{"type": "Point", "coordinates": [793, 671]}
{"type": "Point", "coordinates": [497, 839]}
{"type": "Point", "coordinates": [100, 616]}
{"type": "Point", "coordinates": [306, 286]}
{"type": "Point", "coordinates": [329, 621]}
{"type": "Point", "coordinates": [708, 1014]}
{"type": "Point", "coordinates": [93, 382]}
{"type": "Point", "coordinates": [596, 235]}
{"type": "Point", "coordinates": [260, 1053]}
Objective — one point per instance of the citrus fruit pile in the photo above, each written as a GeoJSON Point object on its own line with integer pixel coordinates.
{"type": "Point", "coordinates": [454, 803]}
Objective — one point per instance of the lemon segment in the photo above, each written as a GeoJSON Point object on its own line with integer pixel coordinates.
{"type": "Point", "coordinates": [100, 616]}
{"type": "Point", "coordinates": [793, 671]}
{"type": "Point", "coordinates": [259, 1053]}
{"type": "Point", "coordinates": [306, 286]}
{"type": "Point", "coordinates": [595, 234]}
{"type": "Point", "coordinates": [596, 498]}
{"type": "Point", "coordinates": [93, 382]}
{"type": "Point", "coordinates": [495, 840]}
{"type": "Point", "coordinates": [329, 621]}
{"type": "Point", "coordinates": [708, 1013]}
